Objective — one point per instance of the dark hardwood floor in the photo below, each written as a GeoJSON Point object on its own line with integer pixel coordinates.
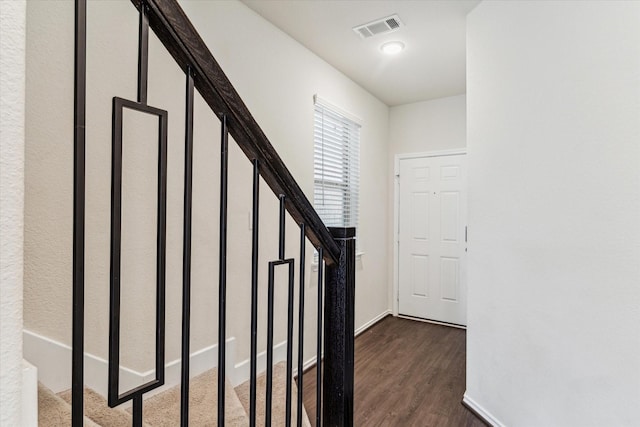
{"type": "Point", "coordinates": [407, 373]}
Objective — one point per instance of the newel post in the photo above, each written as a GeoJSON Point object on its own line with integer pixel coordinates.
{"type": "Point", "coordinates": [339, 310]}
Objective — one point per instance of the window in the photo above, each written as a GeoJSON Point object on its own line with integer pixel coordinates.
{"type": "Point", "coordinates": [336, 166]}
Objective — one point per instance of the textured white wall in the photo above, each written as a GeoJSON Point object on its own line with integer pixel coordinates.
{"type": "Point", "coordinates": [12, 85]}
{"type": "Point", "coordinates": [437, 124]}
{"type": "Point", "coordinates": [553, 93]}
{"type": "Point", "coordinates": [277, 79]}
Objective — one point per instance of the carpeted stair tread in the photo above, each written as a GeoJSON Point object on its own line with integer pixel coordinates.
{"type": "Point", "coordinates": [163, 410]}
{"type": "Point", "coordinates": [53, 411]}
{"type": "Point", "coordinates": [97, 409]}
{"type": "Point", "coordinates": [278, 401]}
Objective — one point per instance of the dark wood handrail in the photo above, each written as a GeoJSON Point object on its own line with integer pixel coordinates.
{"type": "Point", "coordinates": [180, 38]}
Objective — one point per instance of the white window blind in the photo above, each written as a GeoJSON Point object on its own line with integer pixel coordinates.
{"type": "Point", "coordinates": [336, 166]}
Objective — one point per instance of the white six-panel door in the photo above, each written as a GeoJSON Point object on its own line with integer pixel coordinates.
{"type": "Point", "coordinates": [431, 239]}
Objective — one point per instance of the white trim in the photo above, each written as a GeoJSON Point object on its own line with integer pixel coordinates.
{"type": "Point", "coordinates": [483, 413]}
{"type": "Point", "coordinates": [309, 363]}
{"type": "Point", "coordinates": [29, 395]}
{"type": "Point", "coordinates": [317, 99]}
{"type": "Point", "coordinates": [371, 322]}
{"type": "Point", "coordinates": [396, 235]}
{"type": "Point", "coordinates": [439, 153]}
{"type": "Point", "coordinates": [199, 362]}
{"type": "Point", "coordinates": [242, 371]}
{"type": "Point", "coordinates": [53, 360]}
{"type": "Point", "coordinates": [396, 211]}
{"type": "Point", "coordinates": [312, 361]}
{"type": "Point", "coordinates": [54, 368]}
{"type": "Point", "coordinates": [435, 322]}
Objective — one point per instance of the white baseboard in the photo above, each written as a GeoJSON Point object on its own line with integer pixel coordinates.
{"type": "Point", "coordinates": [309, 363]}
{"type": "Point", "coordinates": [242, 370]}
{"type": "Point", "coordinates": [53, 360]}
{"type": "Point", "coordinates": [480, 411]}
{"type": "Point", "coordinates": [312, 361]}
{"type": "Point", "coordinates": [199, 362]}
{"type": "Point", "coordinates": [372, 322]}
{"type": "Point", "coordinates": [433, 322]}
{"type": "Point", "coordinates": [29, 395]}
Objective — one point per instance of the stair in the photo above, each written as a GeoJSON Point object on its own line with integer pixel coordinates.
{"type": "Point", "coordinates": [53, 411]}
{"type": "Point", "coordinates": [278, 398]}
{"type": "Point", "coordinates": [99, 412]}
{"type": "Point", "coordinates": [163, 409]}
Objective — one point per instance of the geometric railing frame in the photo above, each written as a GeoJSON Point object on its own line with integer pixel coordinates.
{"type": "Point", "coordinates": [270, 331]}
{"type": "Point", "coordinates": [114, 396]}
{"type": "Point", "coordinates": [336, 247]}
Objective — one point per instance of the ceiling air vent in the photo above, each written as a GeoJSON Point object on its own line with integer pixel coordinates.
{"type": "Point", "coordinates": [379, 26]}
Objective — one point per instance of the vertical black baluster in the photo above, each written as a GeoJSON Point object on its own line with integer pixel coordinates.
{"type": "Point", "coordinates": [301, 324]}
{"type": "Point", "coordinates": [79, 120]}
{"type": "Point", "coordinates": [186, 255]}
{"type": "Point", "coordinates": [137, 411]}
{"type": "Point", "coordinates": [143, 67]}
{"type": "Point", "coordinates": [282, 228]}
{"type": "Point", "coordinates": [143, 53]}
{"type": "Point", "coordinates": [161, 252]}
{"type": "Point", "coordinates": [319, 342]}
{"type": "Point", "coordinates": [116, 230]}
{"type": "Point", "coordinates": [269, 385]}
{"type": "Point", "coordinates": [289, 348]}
{"type": "Point", "coordinates": [254, 295]}
{"type": "Point", "coordinates": [222, 297]}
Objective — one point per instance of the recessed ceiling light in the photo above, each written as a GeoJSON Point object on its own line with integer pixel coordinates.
{"type": "Point", "coordinates": [391, 48]}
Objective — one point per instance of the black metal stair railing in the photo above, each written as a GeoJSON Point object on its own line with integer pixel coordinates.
{"type": "Point", "coordinates": [336, 247]}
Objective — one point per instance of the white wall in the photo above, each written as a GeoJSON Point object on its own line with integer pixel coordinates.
{"type": "Point", "coordinates": [437, 124]}
{"type": "Point", "coordinates": [553, 93]}
{"type": "Point", "coordinates": [12, 65]}
{"type": "Point", "coordinates": [277, 79]}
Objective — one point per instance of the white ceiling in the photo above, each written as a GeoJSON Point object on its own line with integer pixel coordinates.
{"type": "Point", "coordinates": [431, 66]}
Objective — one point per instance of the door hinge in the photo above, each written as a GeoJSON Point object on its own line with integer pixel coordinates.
{"type": "Point", "coordinates": [465, 238]}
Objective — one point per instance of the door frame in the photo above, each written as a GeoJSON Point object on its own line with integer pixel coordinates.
{"type": "Point", "coordinates": [396, 211]}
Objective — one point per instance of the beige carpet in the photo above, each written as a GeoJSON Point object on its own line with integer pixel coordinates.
{"type": "Point", "coordinates": [97, 409]}
{"type": "Point", "coordinates": [278, 398]}
{"type": "Point", "coordinates": [163, 410]}
{"type": "Point", "coordinates": [53, 411]}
